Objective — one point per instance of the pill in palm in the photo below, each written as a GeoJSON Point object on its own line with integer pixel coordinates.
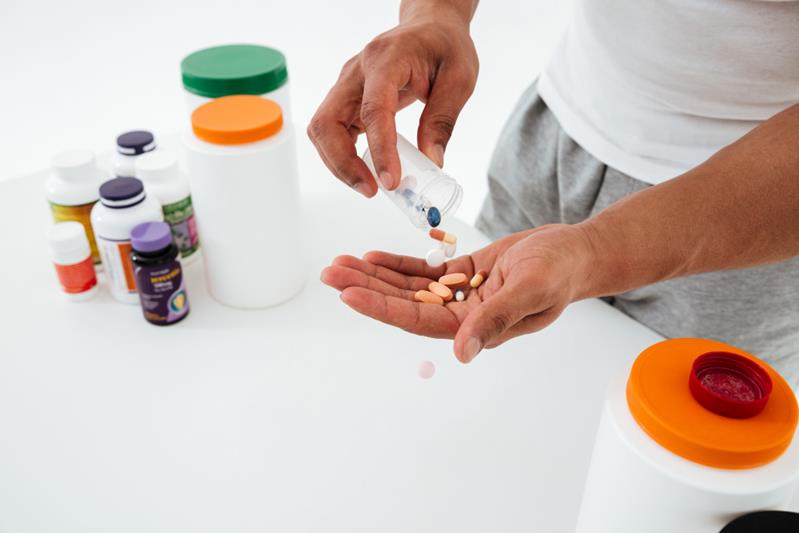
{"type": "Point", "coordinates": [427, 297]}
{"type": "Point", "coordinates": [459, 296]}
{"type": "Point", "coordinates": [426, 369]}
{"type": "Point", "coordinates": [435, 257]}
{"type": "Point", "coordinates": [453, 280]}
{"type": "Point", "coordinates": [443, 236]}
{"type": "Point", "coordinates": [441, 290]}
{"type": "Point", "coordinates": [478, 279]}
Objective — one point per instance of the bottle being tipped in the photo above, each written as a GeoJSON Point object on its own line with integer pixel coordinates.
{"type": "Point", "coordinates": [425, 193]}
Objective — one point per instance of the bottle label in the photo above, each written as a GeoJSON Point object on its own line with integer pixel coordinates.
{"type": "Point", "coordinates": [77, 278]}
{"type": "Point", "coordinates": [78, 213]}
{"type": "Point", "coordinates": [180, 217]}
{"type": "Point", "coordinates": [119, 267]}
{"type": "Point", "coordinates": [162, 292]}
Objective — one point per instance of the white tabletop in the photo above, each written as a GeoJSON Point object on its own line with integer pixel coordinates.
{"type": "Point", "coordinates": [302, 418]}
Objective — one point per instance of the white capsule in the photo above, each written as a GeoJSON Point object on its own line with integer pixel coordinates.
{"type": "Point", "coordinates": [459, 296]}
{"type": "Point", "coordinates": [435, 257]}
{"type": "Point", "coordinates": [449, 250]}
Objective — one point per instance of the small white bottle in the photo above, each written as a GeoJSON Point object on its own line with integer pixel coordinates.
{"type": "Point", "coordinates": [130, 145]}
{"type": "Point", "coordinates": [72, 258]}
{"type": "Point", "coordinates": [71, 190]}
{"type": "Point", "coordinates": [425, 193]}
{"type": "Point", "coordinates": [163, 179]}
{"type": "Point", "coordinates": [123, 205]}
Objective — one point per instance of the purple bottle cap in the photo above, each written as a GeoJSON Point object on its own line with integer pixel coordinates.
{"type": "Point", "coordinates": [151, 236]}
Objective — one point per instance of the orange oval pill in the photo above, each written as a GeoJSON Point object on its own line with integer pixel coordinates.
{"type": "Point", "coordinates": [427, 297]}
{"type": "Point", "coordinates": [441, 290]}
{"type": "Point", "coordinates": [453, 280]}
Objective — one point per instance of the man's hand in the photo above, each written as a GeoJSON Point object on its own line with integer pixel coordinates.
{"type": "Point", "coordinates": [533, 276]}
{"type": "Point", "coordinates": [430, 57]}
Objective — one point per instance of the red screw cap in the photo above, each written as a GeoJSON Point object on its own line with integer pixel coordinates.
{"type": "Point", "coordinates": [729, 384]}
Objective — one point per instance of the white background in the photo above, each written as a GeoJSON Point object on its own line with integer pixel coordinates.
{"type": "Point", "coordinates": [75, 74]}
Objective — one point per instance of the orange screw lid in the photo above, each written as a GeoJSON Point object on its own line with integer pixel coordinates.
{"type": "Point", "coordinates": [237, 119]}
{"type": "Point", "coordinates": [660, 400]}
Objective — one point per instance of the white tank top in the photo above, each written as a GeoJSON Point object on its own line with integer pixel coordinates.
{"type": "Point", "coordinates": [655, 87]}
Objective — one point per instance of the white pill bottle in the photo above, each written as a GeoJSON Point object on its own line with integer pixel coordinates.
{"type": "Point", "coordinates": [425, 194]}
{"type": "Point", "coordinates": [697, 435]}
{"type": "Point", "coordinates": [130, 146]}
{"type": "Point", "coordinates": [123, 205]}
{"type": "Point", "coordinates": [243, 176]}
{"type": "Point", "coordinates": [236, 69]}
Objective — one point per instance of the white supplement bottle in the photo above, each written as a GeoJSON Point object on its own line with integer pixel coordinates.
{"type": "Point", "coordinates": [163, 179]}
{"type": "Point", "coordinates": [698, 434]}
{"type": "Point", "coordinates": [130, 145]}
{"type": "Point", "coordinates": [425, 193]}
{"type": "Point", "coordinates": [123, 205]}
{"type": "Point", "coordinates": [243, 176]}
{"type": "Point", "coordinates": [72, 258]}
{"type": "Point", "coordinates": [236, 69]}
{"type": "Point", "coordinates": [71, 190]}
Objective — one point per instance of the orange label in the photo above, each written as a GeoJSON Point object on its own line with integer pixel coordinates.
{"type": "Point", "coordinates": [78, 213]}
{"type": "Point", "coordinates": [127, 265]}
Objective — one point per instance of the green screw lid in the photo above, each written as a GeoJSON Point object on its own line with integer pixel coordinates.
{"type": "Point", "coordinates": [234, 69]}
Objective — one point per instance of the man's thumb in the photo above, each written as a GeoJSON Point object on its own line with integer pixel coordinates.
{"type": "Point", "coordinates": [490, 320]}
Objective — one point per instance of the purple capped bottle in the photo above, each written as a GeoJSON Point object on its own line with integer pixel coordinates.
{"type": "Point", "coordinates": [159, 275]}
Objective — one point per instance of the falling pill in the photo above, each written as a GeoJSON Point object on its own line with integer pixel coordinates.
{"type": "Point", "coordinates": [435, 257]}
{"type": "Point", "coordinates": [433, 216]}
{"type": "Point", "coordinates": [442, 236]}
{"type": "Point", "coordinates": [426, 369]}
{"type": "Point", "coordinates": [449, 250]}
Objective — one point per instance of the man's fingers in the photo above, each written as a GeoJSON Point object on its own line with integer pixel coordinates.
{"type": "Point", "coordinates": [452, 88]}
{"type": "Point", "coordinates": [422, 319]}
{"type": "Point", "coordinates": [498, 313]}
{"type": "Point", "coordinates": [380, 104]}
{"type": "Point", "coordinates": [411, 266]}
{"type": "Point", "coordinates": [341, 277]}
{"type": "Point", "coordinates": [397, 279]}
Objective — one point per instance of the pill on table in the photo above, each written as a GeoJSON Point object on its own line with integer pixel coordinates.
{"type": "Point", "coordinates": [435, 257]}
{"type": "Point", "coordinates": [478, 279]}
{"type": "Point", "coordinates": [449, 250]}
{"type": "Point", "coordinates": [427, 297]}
{"type": "Point", "coordinates": [453, 280]}
{"type": "Point", "coordinates": [441, 290]}
{"type": "Point", "coordinates": [433, 216]}
{"type": "Point", "coordinates": [443, 236]}
{"type": "Point", "coordinates": [426, 369]}
{"type": "Point", "coordinates": [459, 296]}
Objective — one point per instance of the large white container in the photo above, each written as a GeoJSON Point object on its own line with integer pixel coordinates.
{"type": "Point", "coordinates": [123, 205]}
{"type": "Point", "coordinates": [637, 484]}
{"type": "Point", "coordinates": [236, 69]}
{"type": "Point", "coordinates": [243, 177]}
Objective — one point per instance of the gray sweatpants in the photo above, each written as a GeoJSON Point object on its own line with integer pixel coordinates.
{"type": "Point", "coordinates": [538, 175]}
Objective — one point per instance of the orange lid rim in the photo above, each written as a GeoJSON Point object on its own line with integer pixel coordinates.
{"type": "Point", "coordinates": [237, 119]}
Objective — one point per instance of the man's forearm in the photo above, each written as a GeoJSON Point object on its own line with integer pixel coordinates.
{"type": "Point", "coordinates": [463, 9]}
{"type": "Point", "coordinates": [738, 209]}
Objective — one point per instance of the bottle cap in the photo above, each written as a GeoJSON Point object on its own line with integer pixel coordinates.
{"type": "Point", "coordinates": [74, 165]}
{"type": "Point", "coordinates": [68, 242]}
{"type": "Point", "coordinates": [662, 402]}
{"type": "Point", "coordinates": [158, 165]}
{"type": "Point", "coordinates": [234, 69]}
{"type": "Point", "coordinates": [237, 119]}
{"type": "Point", "coordinates": [122, 192]}
{"type": "Point", "coordinates": [135, 142]}
{"type": "Point", "coordinates": [729, 384]}
{"type": "Point", "coordinates": [151, 236]}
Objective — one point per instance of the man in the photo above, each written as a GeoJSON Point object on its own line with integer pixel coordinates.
{"type": "Point", "coordinates": [656, 161]}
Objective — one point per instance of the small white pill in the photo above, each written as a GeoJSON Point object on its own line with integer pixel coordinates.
{"type": "Point", "coordinates": [449, 250]}
{"type": "Point", "coordinates": [426, 369]}
{"type": "Point", "coordinates": [459, 296]}
{"type": "Point", "coordinates": [435, 257]}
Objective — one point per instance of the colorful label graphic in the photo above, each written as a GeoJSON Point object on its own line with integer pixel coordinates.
{"type": "Point", "coordinates": [180, 217]}
{"type": "Point", "coordinates": [78, 213]}
{"type": "Point", "coordinates": [118, 266]}
{"type": "Point", "coordinates": [162, 293]}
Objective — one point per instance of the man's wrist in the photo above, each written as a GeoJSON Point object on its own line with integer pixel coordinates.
{"type": "Point", "coordinates": [450, 11]}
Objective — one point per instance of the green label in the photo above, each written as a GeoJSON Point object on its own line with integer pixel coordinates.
{"type": "Point", "coordinates": [180, 217]}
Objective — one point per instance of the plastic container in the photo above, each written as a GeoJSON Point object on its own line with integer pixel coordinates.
{"type": "Point", "coordinates": [243, 176]}
{"type": "Point", "coordinates": [666, 460]}
{"type": "Point", "coordinates": [72, 257]}
{"type": "Point", "coordinates": [123, 205]}
{"type": "Point", "coordinates": [236, 69]}
{"type": "Point", "coordinates": [424, 187]}
{"type": "Point", "coordinates": [163, 179]}
{"type": "Point", "coordinates": [130, 145]}
{"type": "Point", "coordinates": [159, 275]}
{"type": "Point", "coordinates": [71, 191]}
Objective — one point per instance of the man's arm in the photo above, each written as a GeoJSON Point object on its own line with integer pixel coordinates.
{"type": "Point", "coordinates": [738, 209]}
